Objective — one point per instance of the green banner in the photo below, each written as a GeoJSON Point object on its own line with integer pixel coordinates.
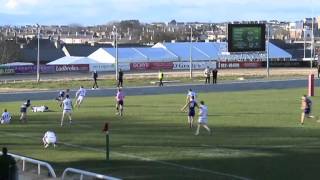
{"type": "Point", "coordinates": [6, 70]}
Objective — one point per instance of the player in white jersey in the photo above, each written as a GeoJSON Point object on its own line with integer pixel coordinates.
{"type": "Point", "coordinates": [81, 93]}
{"type": "Point", "coordinates": [190, 94]}
{"type": "Point", "coordinates": [49, 138]}
{"type": "Point", "coordinates": [5, 117]}
{"type": "Point", "coordinates": [67, 109]}
{"type": "Point", "coordinates": [203, 118]}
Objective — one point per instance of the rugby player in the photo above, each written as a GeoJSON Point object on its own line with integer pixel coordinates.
{"type": "Point", "coordinates": [67, 109]}
{"type": "Point", "coordinates": [49, 138]}
{"type": "Point", "coordinates": [80, 94]}
{"type": "Point", "coordinates": [191, 113]}
{"type": "Point", "coordinates": [203, 118]}
{"type": "Point", "coordinates": [5, 117]}
{"type": "Point", "coordinates": [120, 101]}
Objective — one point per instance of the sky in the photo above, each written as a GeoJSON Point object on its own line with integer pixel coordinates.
{"type": "Point", "coordinates": [96, 12]}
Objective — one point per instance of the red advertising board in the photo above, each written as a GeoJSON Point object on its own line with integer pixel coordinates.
{"type": "Point", "coordinates": [235, 64]}
{"type": "Point", "coordinates": [151, 65]}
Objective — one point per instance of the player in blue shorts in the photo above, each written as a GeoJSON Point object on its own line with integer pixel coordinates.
{"type": "Point", "coordinates": [192, 104]}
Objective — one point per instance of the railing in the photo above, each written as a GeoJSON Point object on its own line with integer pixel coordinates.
{"type": "Point", "coordinates": [82, 173]}
{"type": "Point", "coordinates": [33, 161]}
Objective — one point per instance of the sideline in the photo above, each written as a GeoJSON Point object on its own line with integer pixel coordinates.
{"type": "Point", "coordinates": [251, 81]}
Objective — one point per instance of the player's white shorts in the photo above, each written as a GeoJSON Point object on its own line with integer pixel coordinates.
{"type": "Point", "coordinates": [67, 111]}
{"type": "Point", "coordinates": [202, 120]}
{"type": "Point", "coordinates": [80, 99]}
{"type": "Point", "coordinates": [52, 140]}
{"type": "Point", "coordinates": [5, 121]}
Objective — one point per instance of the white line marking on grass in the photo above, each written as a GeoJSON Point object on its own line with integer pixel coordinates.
{"type": "Point", "coordinates": [158, 161]}
{"type": "Point", "coordinates": [141, 158]}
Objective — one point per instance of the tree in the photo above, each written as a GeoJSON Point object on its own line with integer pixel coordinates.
{"type": "Point", "coordinates": [9, 50]}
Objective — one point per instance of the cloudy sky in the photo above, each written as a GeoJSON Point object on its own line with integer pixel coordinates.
{"type": "Point", "coordinates": [93, 12]}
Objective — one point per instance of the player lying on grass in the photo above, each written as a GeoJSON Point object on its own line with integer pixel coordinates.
{"type": "Point", "coordinates": [49, 138]}
{"type": "Point", "coordinates": [192, 104]}
{"type": "Point", "coordinates": [306, 105]}
{"type": "Point", "coordinates": [39, 108]}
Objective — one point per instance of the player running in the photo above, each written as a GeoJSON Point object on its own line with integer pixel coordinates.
{"type": "Point", "coordinates": [191, 113]}
{"type": "Point", "coordinates": [62, 96]}
{"type": "Point", "coordinates": [120, 100]}
{"type": "Point", "coordinates": [203, 118]}
{"type": "Point", "coordinates": [67, 109]}
{"type": "Point", "coordinates": [306, 105]}
{"type": "Point", "coordinates": [23, 111]}
{"type": "Point", "coordinates": [49, 138]}
{"type": "Point", "coordinates": [80, 94]}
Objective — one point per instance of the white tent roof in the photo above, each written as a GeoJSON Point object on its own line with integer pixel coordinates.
{"type": "Point", "coordinates": [129, 55]}
{"type": "Point", "coordinates": [73, 60]}
{"type": "Point", "coordinates": [215, 50]}
{"type": "Point", "coordinates": [16, 64]}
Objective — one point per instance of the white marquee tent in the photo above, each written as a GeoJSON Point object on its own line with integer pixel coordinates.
{"type": "Point", "coordinates": [73, 60]}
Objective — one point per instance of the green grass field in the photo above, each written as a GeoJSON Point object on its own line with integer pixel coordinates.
{"type": "Point", "coordinates": [257, 135]}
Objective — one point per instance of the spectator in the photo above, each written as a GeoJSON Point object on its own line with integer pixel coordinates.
{"type": "Point", "coordinates": [8, 167]}
{"type": "Point", "coordinates": [207, 75]}
{"type": "Point", "coordinates": [23, 110]}
{"type": "Point", "coordinates": [5, 117]}
{"type": "Point", "coordinates": [95, 78]}
{"type": "Point", "coordinates": [160, 75]}
{"type": "Point", "coordinates": [120, 78]}
{"type": "Point", "coordinates": [214, 75]}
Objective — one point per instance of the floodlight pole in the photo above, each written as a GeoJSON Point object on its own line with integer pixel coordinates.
{"type": "Point", "coordinates": [106, 131]}
{"type": "Point", "coordinates": [190, 54]}
{"type": "Point", "coordinates": [38, 54]}
{"type": "Point", "coordinates": [304, 42]}
{"type": "Point", "coordinates": [107, 146]}
{"type": "Point", "coordinates": [117, 53]}
{"type": "Point", "coordinates": [312, 39]}
{"type": "Point", "coordinates": [268, 39]}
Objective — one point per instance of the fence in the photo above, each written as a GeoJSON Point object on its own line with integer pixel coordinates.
{"type": "Point", "coordinates": [86, 173]}
{"type": "Point", "coordinates": [33, 161]}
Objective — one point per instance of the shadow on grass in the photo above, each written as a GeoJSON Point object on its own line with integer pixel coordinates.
{"type": "Point", "coordinates": [276, 167]}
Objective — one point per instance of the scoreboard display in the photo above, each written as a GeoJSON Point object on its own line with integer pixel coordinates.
{"type": "Point", "coordinates": [246, 37]}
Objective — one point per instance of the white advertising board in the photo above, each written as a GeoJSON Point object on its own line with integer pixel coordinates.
{"type": "Point", "coordinates": [109, 67]}
{"type": "Point", "coordinates": [195, 65]}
